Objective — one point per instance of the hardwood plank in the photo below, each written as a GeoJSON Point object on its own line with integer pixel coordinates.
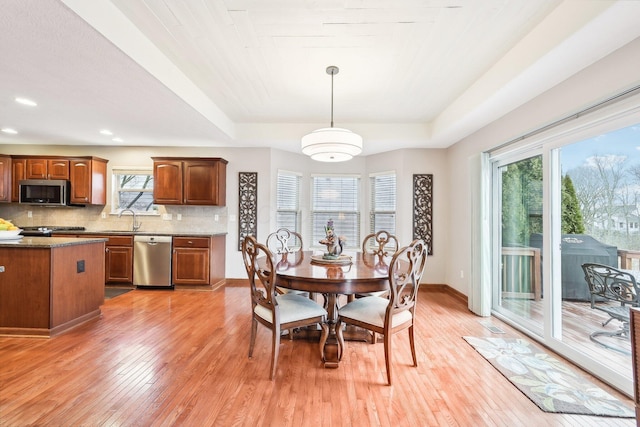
{"type": "Point", "coordinates": [162, 357]}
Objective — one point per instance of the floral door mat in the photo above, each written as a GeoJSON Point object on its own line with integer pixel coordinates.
{"type": "Point", "coordinates": [550, 383]}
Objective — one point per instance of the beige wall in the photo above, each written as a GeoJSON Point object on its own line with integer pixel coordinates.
{"type": "Point", "coordinates": [596, 83]}
{"type": "Point", "coordinates": [267, 163]}
{"type": "Point", "coordinates": [450, 167]}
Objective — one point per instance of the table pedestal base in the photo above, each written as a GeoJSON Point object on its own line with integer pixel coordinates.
{"type": "Point", "coordinates": [331, 349]}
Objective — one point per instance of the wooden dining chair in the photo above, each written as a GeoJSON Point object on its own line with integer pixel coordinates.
{"type": "Point", "coordinates": [381, 243]}
{"type": "Point", "coordinates": [274, 311]}
{"type": "Point", "coordinates": [284, 241]}
{"type": "Point", "coordinates": [397, 313]}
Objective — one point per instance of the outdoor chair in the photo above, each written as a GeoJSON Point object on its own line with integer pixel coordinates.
{"type": "Point", "coordinates": [613, 292]}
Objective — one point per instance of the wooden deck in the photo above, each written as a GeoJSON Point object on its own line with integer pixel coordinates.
{"type": "Point", "coordinates": [162, 358]}
{"type": "Point", "coordinates": [579, 320]}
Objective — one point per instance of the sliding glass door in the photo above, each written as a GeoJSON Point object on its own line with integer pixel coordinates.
{"type": "Point", "coordinates": [518, 289]}
{"type": "Point", "coordinates": [555, 207]}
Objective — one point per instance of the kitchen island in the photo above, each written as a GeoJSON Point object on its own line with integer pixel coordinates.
{"type": "Point", "coordinates": [50, 284]}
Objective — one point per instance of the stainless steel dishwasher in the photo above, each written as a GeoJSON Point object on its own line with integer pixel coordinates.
{"type": "Point", "coordinates": [152, 261]}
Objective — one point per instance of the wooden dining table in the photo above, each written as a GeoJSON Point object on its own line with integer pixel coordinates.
{"type": "Point", "coordinates": [357, 274]}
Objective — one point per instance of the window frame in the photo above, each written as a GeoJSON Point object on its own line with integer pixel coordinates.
{"type": "Point", "coordinates": [372, 202]}
{"type": "Point", "coordinates": [118, 171]}
{"type": "Point", "coordinates": [318, 216]}
{"type": "Point", "coordinates": [296, 210]}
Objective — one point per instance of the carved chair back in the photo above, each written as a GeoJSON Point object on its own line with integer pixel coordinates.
{"type": "Point", "coordinates": [284, 241]}
{"type": "Point", "coordinates": [405, 272]}
{"type": "Point", "coordinates": [381, 243]}
{"type": "Point", "coordinates": [261, 280]}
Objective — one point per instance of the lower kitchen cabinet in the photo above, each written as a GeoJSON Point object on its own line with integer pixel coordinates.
{"type": "Point", "coordinates": [118, 267]}
{"type": "Point", "coordinates": [198, 261]}
{"type": "Point", "coordinates": [190, 260]}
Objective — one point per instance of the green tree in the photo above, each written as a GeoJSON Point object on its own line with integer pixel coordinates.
{"type": "Point", "coordinates": [521, 201]}
{"type": "Point", "coordinates": [572, 222]}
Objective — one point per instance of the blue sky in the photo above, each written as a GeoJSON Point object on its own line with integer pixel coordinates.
{"type": "Point", "coordinates": [622, 142]}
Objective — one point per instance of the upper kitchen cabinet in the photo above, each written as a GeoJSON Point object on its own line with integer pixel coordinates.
{"type": "Point", "coordinates": [5, 178]}
{"type": "Point", "coordinates": [88, 177]}
{"type": "Point", "coordinates": [47, 168]}
{"type": "Point", "coordinates": [189, 181]}
{"type": "Point", "coordinates": [18, 172]}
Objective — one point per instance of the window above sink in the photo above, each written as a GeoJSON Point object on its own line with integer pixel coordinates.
{"type": "Point", "coordinates": [133, 189]}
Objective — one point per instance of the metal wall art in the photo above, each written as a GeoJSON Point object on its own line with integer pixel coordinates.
{"type": "Point", "coordinates": [248, 206]}
{"type": "Point", "coordinates": [423, 209]}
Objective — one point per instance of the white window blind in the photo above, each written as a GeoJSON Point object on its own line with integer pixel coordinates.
{"type": "Point", "coordinates": [382, 215]}
{"type": "Point", "coordinates": [336, 198]}
{"type": "Point", "coordinates": [288, 201]}
{"type": "Point", "coordinates": [133, 189]}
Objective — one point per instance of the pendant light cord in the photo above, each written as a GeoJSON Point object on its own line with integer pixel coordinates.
{"type": "Point", "coordinates": [332, 70]}
{"type": "Point", "coordinates": [332, 74]}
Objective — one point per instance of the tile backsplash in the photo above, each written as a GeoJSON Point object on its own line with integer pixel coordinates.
{"type": "Point", "coordinates": [192, 218]}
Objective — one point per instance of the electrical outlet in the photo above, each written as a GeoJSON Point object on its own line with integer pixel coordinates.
{"type": "Point", "coordinates": [80, 266]}
{"type": "Point", "coordinates": [29, 214]}
{"type": "Point", "coordinates": [104, 215]}
{"type": "Point", "coordinates": [179, 217]}
{"type": "Point", "coordinates": [167, 216]}
{"type": "Point", "coordinates": [462, 274]}
{"type": "Point", "coordinates": [216, 218]}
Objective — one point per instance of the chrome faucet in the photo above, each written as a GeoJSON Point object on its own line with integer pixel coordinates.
{"type": "Point", "coordinates": [135, 226]}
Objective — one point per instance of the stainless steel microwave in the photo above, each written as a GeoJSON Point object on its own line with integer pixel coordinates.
{"type": "Point", "coordinates": [46, 192]}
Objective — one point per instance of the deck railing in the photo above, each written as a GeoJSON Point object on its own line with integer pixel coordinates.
{"type": "Point", "coordinates": [628, 259]}
{"type": "Point", "coordinates": [521, 270]}
{"type": "Point", "coordinates": [521, 274]}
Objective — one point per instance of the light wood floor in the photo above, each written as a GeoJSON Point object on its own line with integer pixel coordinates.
{"type": "Point", "coordinates": [161, 358]}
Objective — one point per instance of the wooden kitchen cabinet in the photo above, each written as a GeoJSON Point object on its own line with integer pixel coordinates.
{"type": "Point", "coordinates": [198, 261]}
{"type": "Point", "coordinates": [5, 178]}
{"type": "Point", "coordinates": [167, 182]}
{"type": "Point", "coordinates": [190, 261]}
{"type": "Point", "coordinates": [18, 172]}
{"type": "Point", "coordinates": [189, 181]}
{"type": "Point", "coordinates": [118, 267]}
{"type": "Point", "coordinates": [47, 168]}
{"type": "Point", "coordinates": [87, 175]}
{"type": "Point", "coordinates": [88, 181]}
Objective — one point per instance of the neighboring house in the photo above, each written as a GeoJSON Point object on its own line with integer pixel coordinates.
{"type": "Point", "coordinates": [622, 219]}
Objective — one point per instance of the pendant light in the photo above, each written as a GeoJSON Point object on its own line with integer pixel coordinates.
{"type": "Point", "coordinates": [332, 144]}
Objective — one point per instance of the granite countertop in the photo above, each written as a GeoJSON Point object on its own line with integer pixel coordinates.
{"type": "Point", "coordinates": [47, 242]}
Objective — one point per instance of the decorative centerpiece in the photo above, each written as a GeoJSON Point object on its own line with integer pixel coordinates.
{"type": "Point", "coordinates": [333, 242]}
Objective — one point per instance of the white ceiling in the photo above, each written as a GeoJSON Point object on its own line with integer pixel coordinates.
{"type": "Point", "coordinates": [251, 73]}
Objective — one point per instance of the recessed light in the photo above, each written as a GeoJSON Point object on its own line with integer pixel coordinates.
{"type": "Point", "coordinates": [106, 132]}
{"type": "Point", "coordinates": [9, 130]}
{"type": "Point", "coordinates": [118, 140]}
{"type": "Point", "coordinates": [25, 101]}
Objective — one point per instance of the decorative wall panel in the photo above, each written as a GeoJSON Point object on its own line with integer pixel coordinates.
{"type": "Point", "coordinates": [423, 209]}
{"type": "Point", "coordinates": [248, 209]}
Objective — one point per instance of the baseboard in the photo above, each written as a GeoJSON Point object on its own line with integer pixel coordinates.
{"type": "Point", "coordinates": [445, 289]}
{"type": "Point", "coordinates": [238, 283]}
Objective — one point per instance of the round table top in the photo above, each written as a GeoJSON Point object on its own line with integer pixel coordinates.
{"type": "Point", "coordinates": [304, 270]}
